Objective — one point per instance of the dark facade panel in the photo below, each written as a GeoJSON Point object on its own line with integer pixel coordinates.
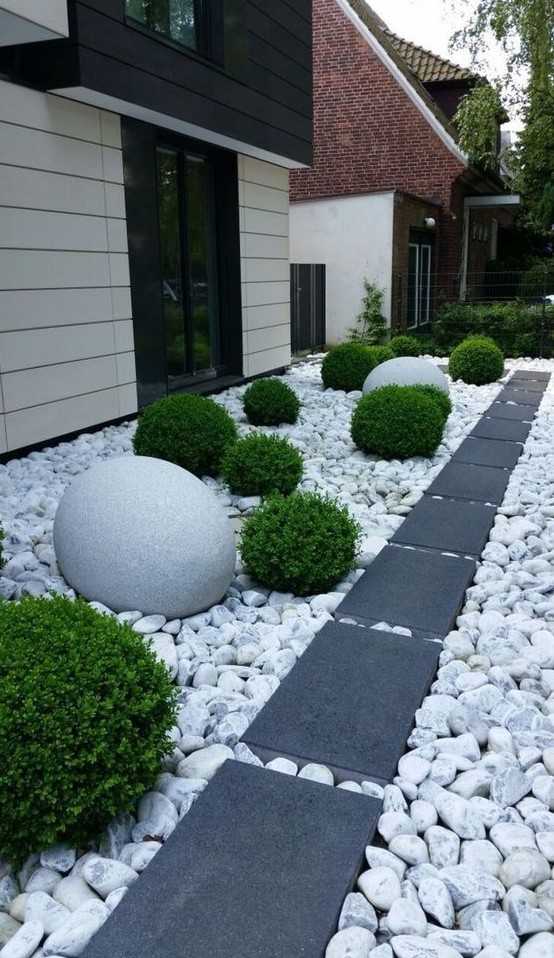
{"type": "Point", "coordinates": [254, 86]}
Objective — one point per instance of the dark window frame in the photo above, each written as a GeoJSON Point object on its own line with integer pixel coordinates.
{"type": "Point", "coordinates": [209, 28]}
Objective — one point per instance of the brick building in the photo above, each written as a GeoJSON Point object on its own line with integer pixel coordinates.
{"type": "Point", "coordinates": [390, 196]}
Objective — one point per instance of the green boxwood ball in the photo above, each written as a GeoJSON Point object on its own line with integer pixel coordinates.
{"type": "Point", "coordinates": [262, 464]}
{"type": "Point", "coordinates": [270, 402]}
{"type": "Point", "coordinates": [347, 366]}
{"type": "Point", "coordinates": [189, 430]}
{"type": "Point", "coordinates": [439, 396]}
{"type": "Point", "coordinates": [397, 422]}
{"type": "Point", "coordinates": [477, 360]}
{"type": "Point", "coordinates": [303, 544]}
{"type": "Point", "coordinates": [85, 711]}
{"type": "Point", "coordinates": [406, 346]}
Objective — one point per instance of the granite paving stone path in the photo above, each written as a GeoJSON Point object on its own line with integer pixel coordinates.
{"type": "Point", "coordinates": [260, 865]}
{"type": "Point", "coordinates": [276, 854]}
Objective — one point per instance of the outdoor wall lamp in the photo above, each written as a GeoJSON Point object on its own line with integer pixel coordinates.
{"type": "Point", "coordinates": [430, 222]}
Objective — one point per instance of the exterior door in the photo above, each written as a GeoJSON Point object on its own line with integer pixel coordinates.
{"type": "Point", "coordinates": [419, 281]}
{"type": "Point", "coordinates": [188, 264]}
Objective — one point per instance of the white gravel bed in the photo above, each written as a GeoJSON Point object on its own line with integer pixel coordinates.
{"type": "Point", "coordinates": [482, 753]}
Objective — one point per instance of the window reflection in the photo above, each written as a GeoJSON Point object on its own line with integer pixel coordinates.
{"type": "Point", "coordinates": [176, 19]}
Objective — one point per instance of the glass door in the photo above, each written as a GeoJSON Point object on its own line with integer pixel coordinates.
{"type": "Point", "coordinates": [188, 264]}
{"type": "Point", "coordinates": [419, 283]}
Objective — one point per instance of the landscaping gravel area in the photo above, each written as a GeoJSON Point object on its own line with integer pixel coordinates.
{"type": "Point", "coordinates": [465, 862]}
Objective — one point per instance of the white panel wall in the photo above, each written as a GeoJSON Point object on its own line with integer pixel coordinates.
{"type": "Point", "coordinates": [264, 246]}
{"type": "Point", "coordinates": [66, 332]}
{"type": "Point", "coordinates": [353, 236]}
{"type": "Point", "coordinates": [27, 21]}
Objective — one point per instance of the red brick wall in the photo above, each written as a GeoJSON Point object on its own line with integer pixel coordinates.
{"type": "Point", "coordinates": [368, 135]}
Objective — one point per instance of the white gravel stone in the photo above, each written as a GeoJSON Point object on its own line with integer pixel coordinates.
{"type": "Point", "coordinates": [8, 927]}
{"type": "Point", "coordinates": [351, 943]}
{"type": "Point", "coordinates": [525, 867]}
{"type": "Point", "coordinates": [406, 918]}
{"type": "Point", "coordinates": [410, 848]}
{"type": "Point", "coordinates": [381, 886]}
{"type": "Point", "coordinates": [494, 928]}
{"type": "Point", "coordinates": [72, 937]}
{"type": "Point", "coordinates": [381, 857]}
{"type": "Point", "coordinates": [60, 858]}
{"type": "Point", "coordinates": [467, 885]}
{"type": "Point", "coordinates": [105, 875]}
{"type": "Point", "coordinates": [204, 763]}
{"type": "Point", "coordinates": [317, 773]}
{"type": "Point", "coordinates": [459, 816]}
{"type": "Point", "coordinates": [72, 892]}
{"type": "Point", "coordinates": [44, 908]}
{"type": "Point", "coordinates": [443, 845]}
{"type": "Point", "coordinates": [538, 946]}
{"type": "Point", "coordinates": [357, 911]}
{"type": "Point", "coordinates": [284, 765]}
{"type": "Point", "coordinates": [25, 941]}
{"type": "Point", "coordinates": [391, 824]}
{"type": "Point", "coordinates": [436, 901]}
{"type": "Point", "coordinates": [414, 946]}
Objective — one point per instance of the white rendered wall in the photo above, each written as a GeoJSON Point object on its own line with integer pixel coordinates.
{"type": "Point", "coordinates": [66, 331]}
{"type": "Point", "coordinates": [265, 271]}
{"type": "Point", "coordinates": [353, 236]}
{"type": "Point", "coordinates": [27, 21]}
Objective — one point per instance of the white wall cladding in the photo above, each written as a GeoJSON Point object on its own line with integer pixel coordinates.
{"type": "Point", "coordinates": [66, 332]}
{"type": "Point", "coordinates": [353, 236]}
{"type": "Point", "coordinates": [264, 247]}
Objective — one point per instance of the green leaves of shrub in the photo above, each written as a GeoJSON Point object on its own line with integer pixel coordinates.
{"type": "Point", "coordinates": [398, 422]}
{"type": "Point", "coordinates": [406, 346]}
{"type": "Point", "coordinates": [189, 430]}
{"type": "Point", "coordinates": [269, 402]}
{"type": "Point", "coordinates": [477, 360]}
{"type": "Point", "coordinates": [85, 708]}
{"type": "Point", "coordinates": [260, 464]}
{"type": "Point", "coordinates": [347, 366]}
{"type": "Point", "coordinates": [303, 544]}
{"type": "Point", "coordinates": [439, 396]}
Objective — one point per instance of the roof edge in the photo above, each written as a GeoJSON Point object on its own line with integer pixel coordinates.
{"type": "Point", "coordinates": [403, 81]}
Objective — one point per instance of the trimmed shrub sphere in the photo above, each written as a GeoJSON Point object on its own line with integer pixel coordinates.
{"type": "Point", "coordinates": [261, 464]}
{"type": "Point", "coordinates": [397, 422]}
{"type": "Point", "coordinates": [406, 346]}
{"type": "Point", "coordinates": [85, 711]}
{"type": "Point", "coordinates": [303, 544]}
{"type": "Point", "coordinates": [269, 402]}
{"type": "Point", "coordinates": [189, 430]}
{"type": "Point", "coordinates": [439, 396]}
{"type": "Point", "coordinates": [478, 360]}
{"type": "Point", "coordinates": [348, 365]}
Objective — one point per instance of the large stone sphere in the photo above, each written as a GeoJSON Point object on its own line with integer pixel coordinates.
{"type": "Point", "coordinates": [141, 533]}
{"type": "Point", "coordinates": [405, 371]}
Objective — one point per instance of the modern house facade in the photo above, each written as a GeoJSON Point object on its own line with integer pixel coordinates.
{"type": "Point", "coordinates": [145, 147]}
{"type": "Point", "coordinates": [390, 196]}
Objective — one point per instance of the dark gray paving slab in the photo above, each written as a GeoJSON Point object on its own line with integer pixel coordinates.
{"type": "Point", "coordinates": [488, 452]}
{"type": "Point", "coordinates": [463, 480]}
{"type": "Point", "coordinates": [259, 866]}
{"type": "Point", "coordinates": [419, 589]}
{"type": "Point", "coordinates": [531, 374]}
{"type": "Point", "coordinates": [528, 384]}
{"type": "Point", "coordinates": [349, 703]}
{"type": "Point", "coordinates": [451, 525]}
{"type": "Point", "coordinates": [514, 411]}
{"type": "Point", "coordinates": [488, 428]}
{"type": "Point", "coordinates": [521, 396]}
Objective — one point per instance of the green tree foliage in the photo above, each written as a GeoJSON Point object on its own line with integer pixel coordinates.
{"type": "Point", "coordinates": [477, 122]}
{"type": "Point", "coordinates": [525, 31]}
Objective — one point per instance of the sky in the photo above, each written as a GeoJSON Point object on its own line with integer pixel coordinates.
{"type": "Point", "coordinates": [430, 24]}
{"type": "Point", "coordinates": [427, 23]}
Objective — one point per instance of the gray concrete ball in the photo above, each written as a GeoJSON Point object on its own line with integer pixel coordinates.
{"type": "Point", "coordinates": [405, 371]}
{"type": "Point", "coordinates": [135, 532]}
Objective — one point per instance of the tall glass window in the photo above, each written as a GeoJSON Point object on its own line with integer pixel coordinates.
{"type": "Point", "coordinates": [188, 263]}
{"type": "Point", "coordinates": [179, 20]}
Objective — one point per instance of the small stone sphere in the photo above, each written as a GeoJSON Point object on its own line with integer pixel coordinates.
{"type": "Point", "coordinates": [405, 371]}
{"type": "Point", "coordinates": [135, 532]}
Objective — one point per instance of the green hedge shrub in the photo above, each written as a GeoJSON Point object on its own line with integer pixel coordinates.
{"type": "Point", "coordinates": [397, 422]}
{"type": "Point", "coordinates": [189, 430]}
{"type": "Point", "coordinates": [514, 326]}
{"type": "Point", "coordinates": [261, 464]}
{"type": "Point", "coordinates": [439, 396]}
{"type": "Point", "coordinates": [406, 346]}
{"type": "Point", "coordinates": [348, 365]}
{"type": "Point", "coordinates": [477, 360]}
{"type": "Point", "coordinates": [270, 402]}
{"type": "Point", "coordinates": [303, 544]}
{"type": "Point", "coordinates": [85, 708]}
